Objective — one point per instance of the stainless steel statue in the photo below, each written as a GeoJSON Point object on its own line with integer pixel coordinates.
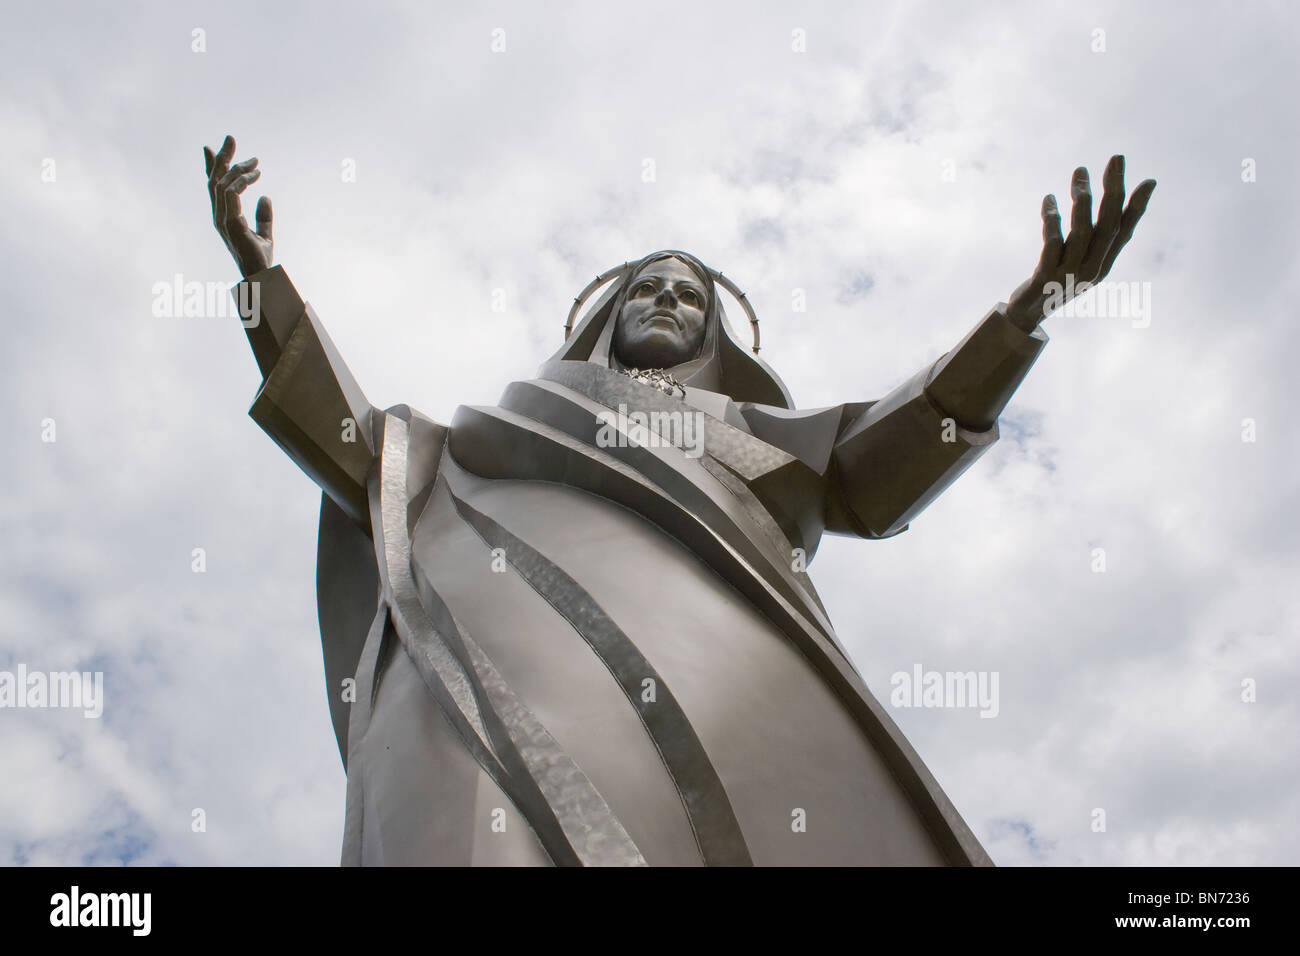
{"type": "Point", "coordinates": [575, 627]}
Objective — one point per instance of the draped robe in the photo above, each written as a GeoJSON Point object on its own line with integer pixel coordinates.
{"type": "Point", "coordinates": [545, 647]}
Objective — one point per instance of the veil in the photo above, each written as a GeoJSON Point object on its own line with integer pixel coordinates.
{"type": "Point", "coordinates": [723, 365]}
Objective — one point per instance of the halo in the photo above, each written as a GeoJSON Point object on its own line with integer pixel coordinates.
{"type": "Point", "coordinates": [608, 274]}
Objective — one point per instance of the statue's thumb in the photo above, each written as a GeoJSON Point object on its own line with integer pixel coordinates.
{"type": "Point", "coordinates": [264, 217]}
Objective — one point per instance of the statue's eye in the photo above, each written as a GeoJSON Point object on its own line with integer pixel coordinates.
{"type": "Point", "coordinates": [688, 295]}
{"type": "Point", "coordinates": [645, 287]}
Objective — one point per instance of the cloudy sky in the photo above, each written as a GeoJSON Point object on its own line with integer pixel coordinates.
{"type": "Point", "coordinates": [887, 159]}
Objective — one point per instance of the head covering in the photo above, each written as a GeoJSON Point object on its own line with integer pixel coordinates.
{"type": "Point", "coordinates": [723, 365]}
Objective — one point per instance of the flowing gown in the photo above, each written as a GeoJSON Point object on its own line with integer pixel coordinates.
{"type": "Point", "coordinates": [546, 647]}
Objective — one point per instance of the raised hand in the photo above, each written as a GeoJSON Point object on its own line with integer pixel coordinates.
{"type": "Point", "coordinates": [1089, 251]}
{"type": "Point", "coordinates": [251, 248]}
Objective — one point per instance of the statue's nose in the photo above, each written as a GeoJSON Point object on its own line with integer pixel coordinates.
{"type": "Point", "coordinates": [666, 297]}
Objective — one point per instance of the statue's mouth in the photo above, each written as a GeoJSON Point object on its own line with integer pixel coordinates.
{"type": "Point", "coordinates": [676, 322]}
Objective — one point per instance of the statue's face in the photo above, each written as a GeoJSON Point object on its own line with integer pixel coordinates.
{"type": "Point", "coordinates": [663, 322]}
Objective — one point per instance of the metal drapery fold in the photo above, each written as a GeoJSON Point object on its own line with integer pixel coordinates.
{"type": "Point", "coordinates": [708, 808]}
{"type": "Point", "coordinates": [571, 819]}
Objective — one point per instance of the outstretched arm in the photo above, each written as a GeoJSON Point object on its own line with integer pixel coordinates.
{"type": "Point", "coordinates": [899, 454]}
{"type": "Point", "coordinates": [309, 403]}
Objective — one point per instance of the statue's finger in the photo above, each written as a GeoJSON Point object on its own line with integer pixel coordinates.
{"type": "Point", "coordinates": [1137, 205]}
{"type": "Point", "coordinates": [234, 206]}
{"type": "Point", "coordinates": [1076, 243]}
{"type": "Point", "coordinates": [237, 170]}
{"type": "Point", "coordinates": [224, 155]}
{"type": "Point", "coordinates": [1053, 243]}
{"type": "Point", "coordinates": [1108, 221]}
{"type": "Point", "coordinates": [240, 183]}
{"type": "Point", "coordinates": [264, 218]}
{"type": "Point", "coordinates": [1112, 198]}
{"type": "Point", "coordinates": [218, 203]}
{"type": "Point", "coordinates": [209, 160]}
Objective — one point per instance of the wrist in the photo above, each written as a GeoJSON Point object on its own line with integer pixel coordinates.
{"type": "Point", "coordinates": [974, 382]}
{"type": "Point", "coordinates": [1022, 317]}
{"type": "Point", "coordinates": [248, 270]}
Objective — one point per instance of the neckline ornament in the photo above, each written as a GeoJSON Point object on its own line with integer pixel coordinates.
{"type": "Point", "coordinates": [656, 378]}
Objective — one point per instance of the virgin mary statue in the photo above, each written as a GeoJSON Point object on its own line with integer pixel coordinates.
{"type": "Point", "coordinates": [576, 627]}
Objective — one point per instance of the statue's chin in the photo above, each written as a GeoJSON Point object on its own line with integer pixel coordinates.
{"type": "Point", "coordinates": [655, 350]}
{"type": "Point", "coordinates": [651, 357]}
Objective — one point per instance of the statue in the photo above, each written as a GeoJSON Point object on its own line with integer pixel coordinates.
{"type": "Point", "coordinates": [576, 627]}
